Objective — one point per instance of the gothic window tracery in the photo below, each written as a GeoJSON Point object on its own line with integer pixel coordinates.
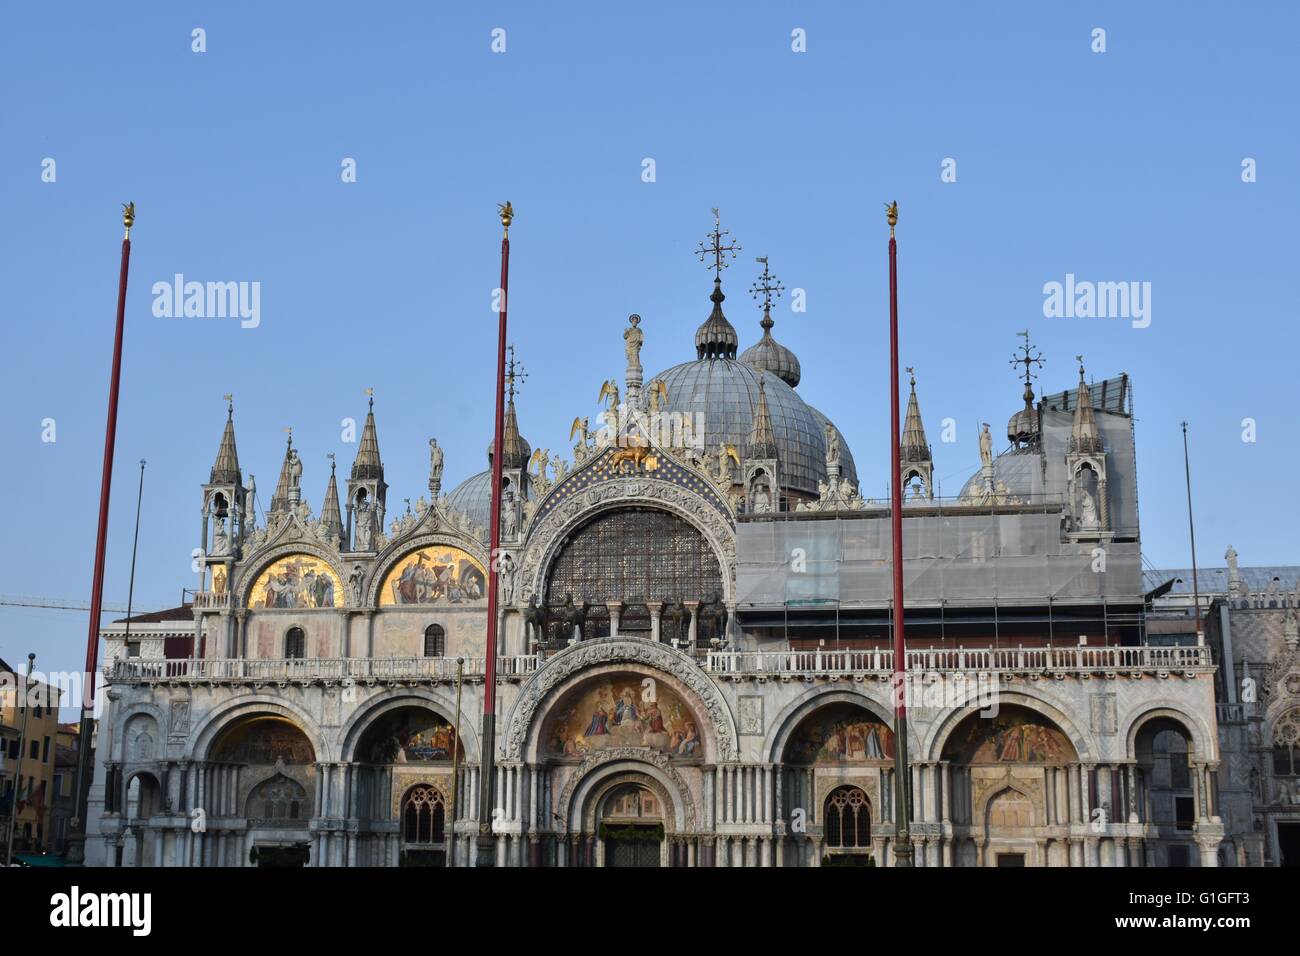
{"type": "Point", "coordinates": [423, 815]}
{"type": "Point", "coordinates": [848, 819]}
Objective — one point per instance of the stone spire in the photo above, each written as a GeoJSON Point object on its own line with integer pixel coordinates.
{"type": "Point", "coordinates": [225, 470]}
{"type": "Point", "coordinates": [716, 338]}
{"type": "Point", "coordinates": [514, 450]}
{"type": "Point", "coordinates": [1085, 439]}
{"type": "Point", "coordinates": [762, 438]}
{"type": "Point", "coordinates": [331, 517]}
{"type": "Point", "coordinates": [287, 488]}
{"type": "Point", "coordinates": [767, 354]}
{"type": "Point", "coordinates": [914, 447]}
{"type": "Point", "coordinates": [914, 451]}
{"type": "Point", "coordinates": [368, 465]}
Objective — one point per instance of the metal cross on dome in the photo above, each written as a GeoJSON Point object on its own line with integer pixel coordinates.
{"type": "Point", "coordinates": [515, 372]}
{"type": "Point", "coordinates": [1028, 357]}
{"type": "Point", "coordinates": [766, 286]}
{"type": "Point", "coordinates": [717, 248]}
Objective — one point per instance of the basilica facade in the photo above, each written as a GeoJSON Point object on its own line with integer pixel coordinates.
{"type": "Point", "coordinates": [694, 657]}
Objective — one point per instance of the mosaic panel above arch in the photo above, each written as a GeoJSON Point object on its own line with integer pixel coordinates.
{"type": "Point", "coordinates": [263, 740]}
{"type": "Point", "coordinates": [622, 710]}
{"type": "Point", "coordinates": [296, 581]}
{"type": "Point", "coordinates": [437, 574]}
{"type": "Point", "coordinates": [841, 733]}
{"type": "Point", "coordinates": [1015, 735]}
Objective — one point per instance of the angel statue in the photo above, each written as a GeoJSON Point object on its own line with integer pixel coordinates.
{"type": "Point", "coordinates": [539, 463]}
{"type": "Point", "coordinates": [583, 431]}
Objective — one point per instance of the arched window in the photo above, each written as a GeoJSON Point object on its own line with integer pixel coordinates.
{"type": "Point", "coordinates": [634, 555]}
{"type": "Point", "coordinates": [435, 641]}
{"type": "Point", "coordinates": [423, 816]}
{"type": "Point", "coordinates": [279, 801]}
{"type": "Point", "coordinates": [1286, 745]}
{"type": "Point", "coordinates": [848, 820]}
{"type": "Point", "coordinates": [295, 643]}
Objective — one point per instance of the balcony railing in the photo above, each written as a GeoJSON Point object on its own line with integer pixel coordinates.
{"type": "Point", "coordinates": [212, 599]}
{"type": "Point", "coordinates": [977, 660]}
{"type": "Point", "coordinates": [1029, 660]}
{"type": "Point", "coordinates": [311, 669]}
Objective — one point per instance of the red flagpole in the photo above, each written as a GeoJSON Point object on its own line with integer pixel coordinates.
{"type": "Point", "coordinates": [101, 538]}
{"type": "Point", "coordinates": [486, 849]}
{"type": "Point", "coordinates": [902, 785]}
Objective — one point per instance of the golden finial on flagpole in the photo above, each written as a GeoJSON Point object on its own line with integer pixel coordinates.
{"type": "Point", "coordinates": [507, 214]}
{"type": "Point", "coordinates": [891, 213]}
{"type": "Point", "coordinates": [128, 217]}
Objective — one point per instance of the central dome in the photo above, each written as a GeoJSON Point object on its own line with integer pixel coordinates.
{"type": "Point", "coordinates": [723, 392]}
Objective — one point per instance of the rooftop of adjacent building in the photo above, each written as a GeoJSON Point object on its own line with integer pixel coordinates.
{"type": "Point", "coordinates": [1214, 581]}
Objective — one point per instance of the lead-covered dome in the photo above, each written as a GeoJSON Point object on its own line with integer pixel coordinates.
{"type": "Point", "coordinates": [771, 356]}
{"type": "Point", "coordinates": [724, 394]}
{"type": "Point", "coordinates": [1017, 471]}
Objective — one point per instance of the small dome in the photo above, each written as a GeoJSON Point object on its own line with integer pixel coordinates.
{"type": "Point", "coordinates": [724, 394]}
{"type": "Point", "coordinates": [1022, 427]}
{"type": "Point", "coordinates": [473, 497]}
{"type": "Point", "coordinates": [771, 356]}
{"type": "Point", "coordinates": [1018, 470]}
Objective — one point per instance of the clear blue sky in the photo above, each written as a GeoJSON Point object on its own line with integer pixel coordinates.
{"type": "Point", "coordinates": [1117, 166]}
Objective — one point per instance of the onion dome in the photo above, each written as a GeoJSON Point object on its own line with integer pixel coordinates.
{"type": "Point", "coordinates": [716, 338]}
{"type": "Point", "coordinates": [1022, 427]}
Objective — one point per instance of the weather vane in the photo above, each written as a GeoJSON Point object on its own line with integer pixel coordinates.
{"type": "Point", "coordinates": [330, 456]}
{"type": "Point", "coordinates": [370, 394]}
{"type": "Point", "coordinates": [766, 286]}
{"type": "Point", "coordinates": [717, 248]}
{"type": "Point", "coordinates": [515, 372]}
{"type": "Point", "coordinates": [1028, 356]}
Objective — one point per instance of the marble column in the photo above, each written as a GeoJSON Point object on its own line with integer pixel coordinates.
{"type": "Point", "coordinates": [615, 610]}
{"type": "Point", "coordinates": [655, 608]}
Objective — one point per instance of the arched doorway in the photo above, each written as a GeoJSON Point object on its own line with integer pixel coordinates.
{"type": "Point", "coordinates": [1009, 777]}
{"type": "Point", "coordinates": [1166, 792]}
{"type": "Point", "coordinates": [632, 826]}
{"type": "Point", "coordinates": [837, 763]}
{"type": "Point", "coordinates": [262, 767]}
{"type": "Point", "coordinates": [403, 772]}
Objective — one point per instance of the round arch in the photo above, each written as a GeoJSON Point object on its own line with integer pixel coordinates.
{"type": "Point", "coordinates": [603, 771]}
{"type": "Point", "coordinates": [433, 699]}
{"type": "Point", "coordinates": [222, 718]}
{"type": "Point", "coordinates": [547, 536]}
{"type": "Point", "coordinates": [937, 736]}
{"type": "Point", "coordinates": [249, 576]}
{"type": "Point", "coordinates": [1197, 734]}
{"type": "Point", "coordinates": [813, 700]}
{"type": "Point", "coordinates": [400, 549]}
{"type": "Point", "coordinates": [580, 663]}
